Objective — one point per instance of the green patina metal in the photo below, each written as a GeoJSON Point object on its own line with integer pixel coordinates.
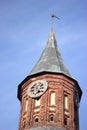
{"type": "Point", "coordinates": [50, 60]}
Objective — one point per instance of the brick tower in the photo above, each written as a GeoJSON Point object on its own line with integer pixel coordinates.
{"type": "Point", "coordinates": [49, 95]}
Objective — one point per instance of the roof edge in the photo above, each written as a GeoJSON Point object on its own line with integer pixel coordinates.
{"type": "Point", "coordinates": [45, 72]}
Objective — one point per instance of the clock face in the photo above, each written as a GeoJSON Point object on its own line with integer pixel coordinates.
{"type": "Point", "coordinates": [37, 88]}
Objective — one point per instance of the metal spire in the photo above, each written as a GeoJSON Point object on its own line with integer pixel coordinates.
{"type": "Point", "coordinates": [50, 59]}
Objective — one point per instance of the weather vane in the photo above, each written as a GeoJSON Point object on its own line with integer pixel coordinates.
{"type": "Point", "coordinates": [54, 16]}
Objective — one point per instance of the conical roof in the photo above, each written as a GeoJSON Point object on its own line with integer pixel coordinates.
{"type": "Point", "coordinates": [50, 60]}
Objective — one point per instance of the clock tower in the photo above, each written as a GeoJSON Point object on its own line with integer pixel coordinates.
{"type": "Point", "coordinates": [49, 96]}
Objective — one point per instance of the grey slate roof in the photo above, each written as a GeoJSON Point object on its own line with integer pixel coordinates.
{"type": "Point", "coordinates": [51, 60]}
{"type": "Point", "coordinates": [47, 128]}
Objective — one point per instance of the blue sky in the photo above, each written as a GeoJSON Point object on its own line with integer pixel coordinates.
{"type": "Point", "coordinates": [24, 29]}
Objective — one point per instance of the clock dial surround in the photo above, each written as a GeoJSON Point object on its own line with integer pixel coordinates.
{"type": "Point", "coordinates": [37, 88]}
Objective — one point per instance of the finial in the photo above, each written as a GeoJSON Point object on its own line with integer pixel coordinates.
{"type": "Point", "coordinates": [54, 16]}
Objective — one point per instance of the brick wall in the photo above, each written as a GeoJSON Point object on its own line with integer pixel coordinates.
{"type": "Point", "coordinates": [43, 116]}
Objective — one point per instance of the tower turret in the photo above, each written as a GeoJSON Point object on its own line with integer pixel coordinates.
{"type": "Point", "coordinates": [49, 95]}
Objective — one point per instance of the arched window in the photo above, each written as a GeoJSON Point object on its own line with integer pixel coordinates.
{"type": "Point", "coordinates": [51, 118]}
{"type": "Point", "coordinates": [66, 102]}
{"type": "Point", "coordinates": [37, 105]}
{"type": "Point", "coordinates": [65, 120]}
{"type": "Point", "coordinates": [37, 102]}
{"type": "Point", "coordinates": [36, 119]}
{"type": "Point", "coordinates": [66, 108]}
{"type": "Point", "coordinates": [26, 105]}
{"type": "Point", "coordinates": [52, 101]}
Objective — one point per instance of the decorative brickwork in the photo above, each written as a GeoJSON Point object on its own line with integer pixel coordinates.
{"type": "Point", "coordinates": [46, 114]}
